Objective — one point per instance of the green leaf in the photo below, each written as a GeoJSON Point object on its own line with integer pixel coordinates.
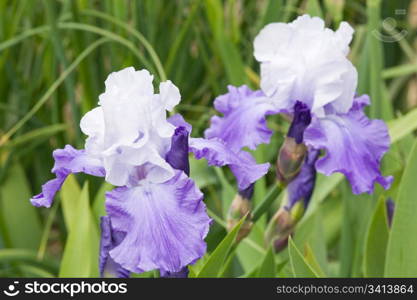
{"type": "Point", "coordinates": [80, 258]}
{"type": "Point", "coordinates": [310, 234]}
{"type": "Point", "coordinates": [335, 9]}
{"type": "Point", "coordinates": [380, 107]}
{"type": "Point", "coordinates": [21, 224]}
{"type": "Point", "coordinates": [268, 267]}
{"type": "Point", "coordinates": [357, 210]}
{"type": "Point", "coordinates": [264, 205]}
{"type": "Point", "coordinates": [401, 260]}
{"type": "Point", "coordinates": [229, 53]}
{"type": "Point", "coordinates": [376, 242]}
{"type": "Point", "coordinates": [300, 267]}
{"type": "Point", "coordinates": [99, 209]}
{"type": "Point", "coordinates": [215, 262]}
{"type": "Point", "coordinates": [28, 257]}
{"type": "Point", "coordinates": [37, 135]}
{"type": "Point", "coordinates": [402, 126]}
{"type": "Point", "coordinates": [312, 260]}
{"type": "Point", "coordinates": [70, 195]}
{"type": "Point", "coordinates": [313, 8]}
{"type": "Point", "coordinates": [202, 174]}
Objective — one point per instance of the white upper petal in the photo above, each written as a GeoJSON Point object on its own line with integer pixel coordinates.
{"type": "Point", "coordinates": [305, 61]}
{"type": "Point", "coordinates": [129, 130]}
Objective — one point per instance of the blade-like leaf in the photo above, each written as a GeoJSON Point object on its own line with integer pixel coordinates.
{"type": "Point", "coordinates": [215, 262]}
{"type": "Point", "coordinates": [80, 257]}
{"type": "Point", "coordinates": [376, 242]}
{"type": "Point", "coordinates": [70, 195]}
{"type": "Point", "coordinates": [300, 267]}
{"type": "Point", "coordinates": [18, 216]}
{"type": "Point", "coordinates": [401, 260]}
{"type": "Point", "coordinates": [268, 267]}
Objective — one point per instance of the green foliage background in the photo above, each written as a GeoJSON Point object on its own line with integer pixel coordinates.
{"type": "Point", "coordinates": [54, 58]}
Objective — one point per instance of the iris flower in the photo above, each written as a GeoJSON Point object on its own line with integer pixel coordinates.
{"type": "Point", "coordinates": [156, 217]}
{"type": "Point", "coordinates": [305, 74]}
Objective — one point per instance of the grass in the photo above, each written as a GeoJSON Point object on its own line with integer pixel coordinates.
{"type": "Point", "coordinates": [55, 56]}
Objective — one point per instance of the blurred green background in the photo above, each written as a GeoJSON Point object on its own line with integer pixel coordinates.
{"type": "Point", "coordinates": [54, 58]}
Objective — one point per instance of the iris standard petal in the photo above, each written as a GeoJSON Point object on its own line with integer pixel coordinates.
{"type": "Point", "coordinates": [354, 146]}
{"type": "Point", "coordinates": [165, 224]}
{"type": "Point", "coordinates": [243, 123]}
{"type": "Point", "coordinates": [67, 161]}
{"type": "Point", "coordinates": [218, 153]}
{"type": "Point", "coordinates": [305, 61]}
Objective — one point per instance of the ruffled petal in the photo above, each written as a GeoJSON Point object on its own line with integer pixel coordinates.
{"type": "Point", "coordinates": [243, 123]}
{"type": "Point", "coordinates": [219, 154]}
{"type": "Point", "coordinates": [165, 224]}
{"type": "Point", "coordinates": [67, 161]}
{"type": "Point", "coordinates": [305, 61]}
{"type": "Point", "coordinates": [354, 146]}
{"type": "Point", "coordinates": [129, 130]}
{"type": "Point", "coordinates": [169, 95]}
{"type": "Point", "coordinates": [110, 239]}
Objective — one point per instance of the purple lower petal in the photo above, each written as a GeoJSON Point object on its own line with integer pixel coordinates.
{"type": "Point", "coordinates": [243, 123]}
{"type": "Point", "coordinates": [241, 163]}
{"type": "Point", "coordinates": [354, 146]}
{"type": "Point", "coordinates": [165, 225]}
{"type": "Point", "coordinates": [109, 240]}
{"type": "Point", "coordinates": [67, 161]}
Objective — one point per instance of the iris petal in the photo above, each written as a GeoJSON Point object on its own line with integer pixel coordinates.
{"type": "Point", "coordinates": [109, 240]}
{"type": "Point", "coordinates": [67, 161]}
{"type": "Point", "coordinates": [165, 225]}
{"type": "Point", "coordinates": [241, 163]}
{"type": "Point", "coordinates": [243, 123]}
{"type": "Point", "coordinates": [354, 146]}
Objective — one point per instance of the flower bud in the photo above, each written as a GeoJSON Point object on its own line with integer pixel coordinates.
{"type": "Point", "coordinates": [240, 207]}
{"type": "Point", "coordinates": [298, 196]}
{"type": "Point", "coordinates": [292, 153]}
{"type": "Point", "coordinates": [289, 161]}
{"type": "Point", "coordinates": [177, 156]}
{"type": "Point", "coordinates": [279, 229]}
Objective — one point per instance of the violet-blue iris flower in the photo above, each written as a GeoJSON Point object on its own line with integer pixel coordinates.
{"type": "Point", "coordinates": [156, 217]}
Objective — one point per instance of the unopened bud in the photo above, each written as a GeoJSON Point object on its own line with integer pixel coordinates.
{"type": "Point", "coordinates": [240, 207]}
{"type": "Point", "coordinates": [292, 153]}
{"type": "Point", "coordinates": [298, 196]}
{"type": "Point", "coordinates": [290, 159]}
{"type": "Point", "coordinates": [281, 227]}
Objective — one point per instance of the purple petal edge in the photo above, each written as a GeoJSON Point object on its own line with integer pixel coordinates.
{"type": "Point", "coordinates": [68, 160]}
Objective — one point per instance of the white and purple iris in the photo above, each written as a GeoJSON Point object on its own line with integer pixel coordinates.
{"type": "Point", "coordinates": [156, 217]}
{"type": "Point", "coordinates": [305, 74]}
